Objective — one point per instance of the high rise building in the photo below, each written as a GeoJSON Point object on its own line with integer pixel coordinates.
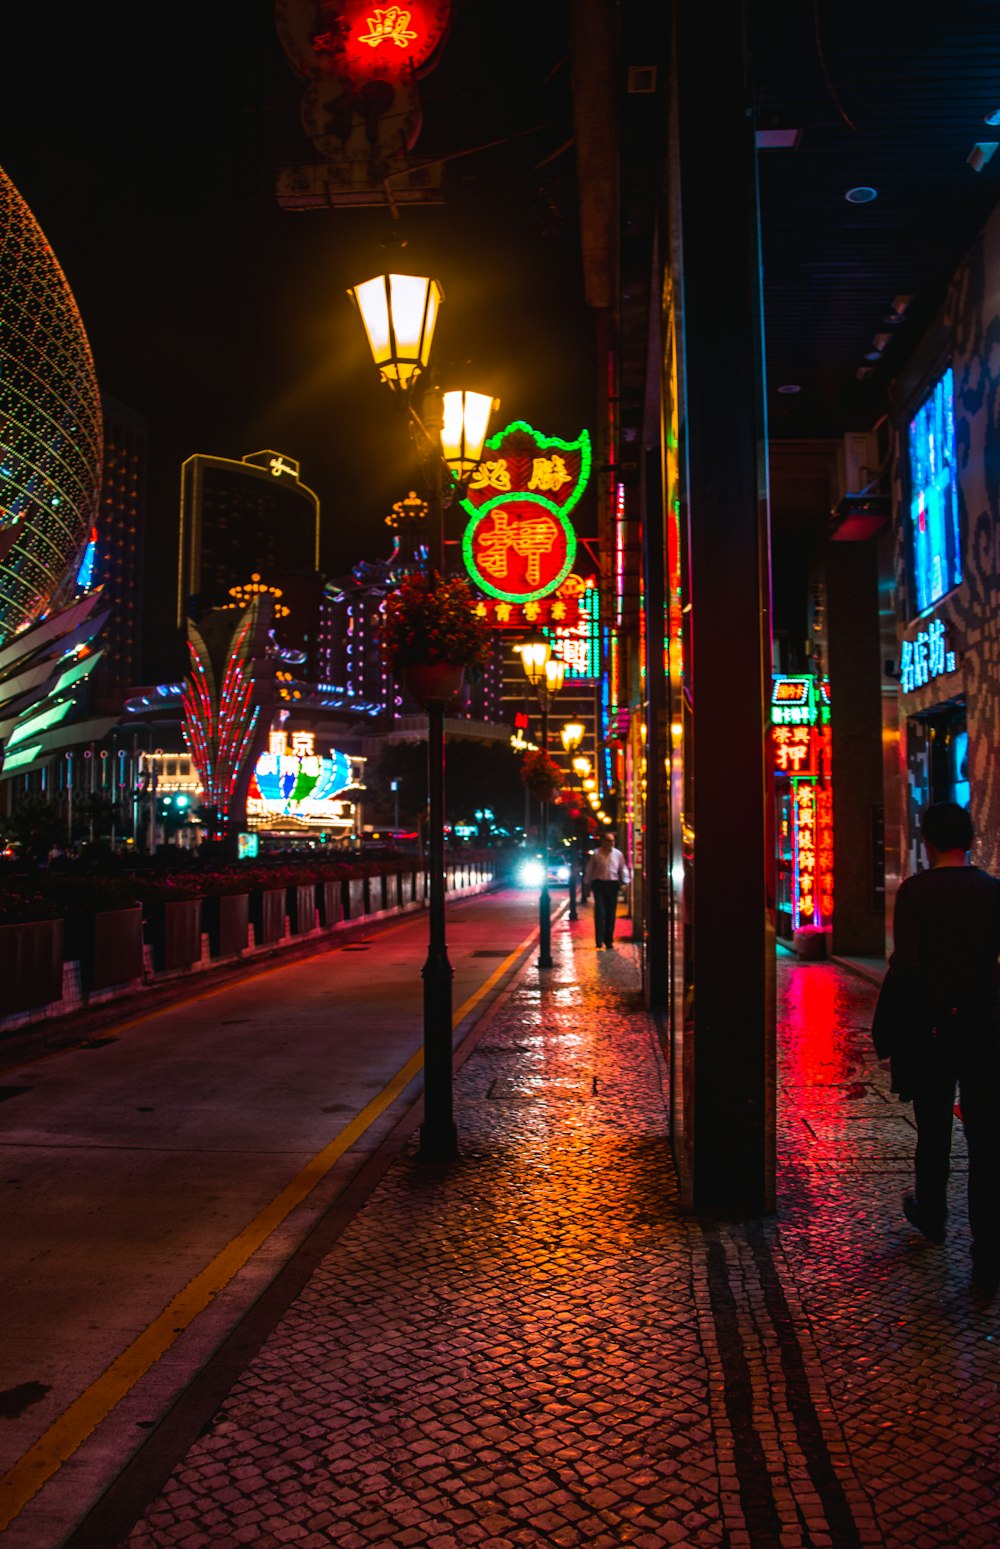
{"type": "Point", "coordinates": [114, 557]}
{"type": "Point", "coordinates": [244, 518]}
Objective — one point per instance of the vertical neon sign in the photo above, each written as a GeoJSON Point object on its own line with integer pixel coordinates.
{"type": "Point", "coordinates": [800, 739]}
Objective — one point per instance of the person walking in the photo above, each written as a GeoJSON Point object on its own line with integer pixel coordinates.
{"type": "Point", "coordinates": [945, 982]}
{"type": "Point", "coordinates": [604, 874]}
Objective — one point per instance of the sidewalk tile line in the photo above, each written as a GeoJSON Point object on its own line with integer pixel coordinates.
{"type": "Point", "coordinates": [85, 1414]}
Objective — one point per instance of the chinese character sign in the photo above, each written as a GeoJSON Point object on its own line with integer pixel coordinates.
{"type": "Point", "coordinates": [801, 744]}
{"type": "Point", "coordinates": [519, 544]}
{"type": "Point", "coordinates": [926, 656]}
{"type": "Point", "coordinates": [299, 782]}
{"type": "Point", "coordinates": [358, 41]}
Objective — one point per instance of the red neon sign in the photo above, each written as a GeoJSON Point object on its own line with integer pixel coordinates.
{"type": "Point", "coordinates": [361, 40]}
{"type": "Point", "coordinates": [520, 544]}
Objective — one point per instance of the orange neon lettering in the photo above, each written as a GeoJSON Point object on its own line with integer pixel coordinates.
{"type": "Point", "coordinates": [388, 25]}
{"type": "Point", "coordinates": [529, 540]}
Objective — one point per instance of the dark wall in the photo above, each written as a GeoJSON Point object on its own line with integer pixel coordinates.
{"type": "Point", "coordinates": [856, 723]}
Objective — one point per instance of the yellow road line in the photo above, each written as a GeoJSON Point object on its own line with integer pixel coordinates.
{"type": "Point", "coordinates": [84, 1415]}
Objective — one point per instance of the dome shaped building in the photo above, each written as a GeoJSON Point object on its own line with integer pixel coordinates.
{"type": "Point", "coordinates": [50, 478]}
{"type": "Point", "coordinates": [50, 421]}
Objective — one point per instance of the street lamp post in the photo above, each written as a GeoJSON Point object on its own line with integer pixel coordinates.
{"type": "Point", "coordinates": [571, 737]}
{"type": "Point", "coordinates": [545, 673]}
{"type": "Point", "coordinates": [399, 312]}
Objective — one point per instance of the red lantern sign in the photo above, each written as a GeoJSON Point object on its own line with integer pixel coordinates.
{"type": "Point", "coordinates": [519, 544]}
{"type": "Point", "coordinates": [360, 40]}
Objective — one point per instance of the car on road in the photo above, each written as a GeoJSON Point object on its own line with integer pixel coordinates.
{"type": "Point", "coordinates": [530, 871]}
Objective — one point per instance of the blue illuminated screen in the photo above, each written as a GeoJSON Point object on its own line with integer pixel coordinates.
{"type": "Point", "coordinates": [933, 528]}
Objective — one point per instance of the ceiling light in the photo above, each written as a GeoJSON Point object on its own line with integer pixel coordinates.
{"type": "Point", "coordinates": [861, 195]}
{"type": "Point", "coordinates": [873, 355]}
{"type": "Point", "coordinates": [992, 118]}
{"type": "Point", "coordinates": [789, 387]}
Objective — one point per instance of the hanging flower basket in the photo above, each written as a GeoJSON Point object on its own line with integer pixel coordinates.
{"type": "Point", "coordinates": [542, 775]}
{"type": "Point", "coordinates": [434, 637]}
{"type": "Point", "coordinates": [433, 682]}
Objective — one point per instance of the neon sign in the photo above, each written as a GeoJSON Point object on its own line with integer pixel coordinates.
{"type": "Point", "coordinates": [295, 781]}
{"type": "Point", "coordinates": [801, 742]}
{"type": "Point", "coordinates": [519, 544]}
{"type": "Point", "coordinates": [933, 529]}
{"type": "Point", "coordinates": [366, 41]}
{"type": "Point", "coordinates": [924, 657]}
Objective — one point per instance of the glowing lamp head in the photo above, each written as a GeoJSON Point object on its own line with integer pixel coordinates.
{"type": "Point", "coordinates": [535, 652]}
{"type": "Point", "coordinates": [581, 765]}
{"type": "Point", "coordinates": [555, 672]}
{"type": "Point", "coordinates": [571, 736]}
{"type": "Point", "coordinates": [465, 426]}
{"type": "Point", "coordinates": [399, 312]}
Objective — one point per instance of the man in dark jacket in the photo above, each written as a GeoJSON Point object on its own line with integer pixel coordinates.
{"type": "Point", "coordinates": [946, 940]}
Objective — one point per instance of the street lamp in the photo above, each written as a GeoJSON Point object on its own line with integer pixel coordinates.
{"type": "Point", "coordinates": [399, 313]}
{"type": "Point", "coordinates": [545, 673]}
{"type": "Point", "coordinates": [571, 737]}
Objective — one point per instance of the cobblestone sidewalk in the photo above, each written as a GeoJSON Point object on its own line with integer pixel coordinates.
{"type": "Point", "coordinates": [534, 1346]}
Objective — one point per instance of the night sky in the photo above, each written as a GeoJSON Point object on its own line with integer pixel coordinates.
{"type": "Point", "coordinates": [146, 141]}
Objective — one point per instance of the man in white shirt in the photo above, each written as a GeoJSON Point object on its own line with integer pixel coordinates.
{"type": "Point", "coordinates": [605, 872]}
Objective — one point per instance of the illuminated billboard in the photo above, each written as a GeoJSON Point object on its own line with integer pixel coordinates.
{"type": "Point", "coordinates": [519, 544]}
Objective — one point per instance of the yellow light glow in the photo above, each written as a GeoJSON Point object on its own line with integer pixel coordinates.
{"type": "Point", "coordinates": [534, 655]}
{"type": "Point", "coordinates": [555, 672]}
{"type": "Point", "coordinates": [571, 736]}
{"type": "Point", "coordinates": [581, 765]}
{"type": "Point", "coordinates": [466, 421]}
{"type": "Point", "coordinates": [399, 312]}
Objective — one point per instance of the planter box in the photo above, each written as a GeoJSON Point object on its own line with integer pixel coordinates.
{"type": "Point", "coordinates": [174, 932]}
{"type": "Point", "coordinates": [330, 900]}
{"type": "Point", "coordinates": [356, 898]}
{"type": "Point", "coordinates": [226, 918]}
{"type": "Point", "coordinates": [267, 914]}
{"type": "Point", "coordinates": [301, 906]}
{"type": "Point", "coordinates": [108, 945]}
{"type": "Point", "coordinates": [31, 959]}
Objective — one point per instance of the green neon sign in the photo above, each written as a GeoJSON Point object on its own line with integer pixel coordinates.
{"type": "Point", "coordinates": [564, 467]}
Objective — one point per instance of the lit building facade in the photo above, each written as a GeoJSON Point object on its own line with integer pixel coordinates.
{"type": "Point", "coordinates": [115, 560]}
{"type": "Point", "coordinates": [50, 479]}
{"type": "Point", "coordinates": [244, 517]}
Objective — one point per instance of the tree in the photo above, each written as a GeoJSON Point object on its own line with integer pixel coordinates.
{"type": "Point", "coordinates": [35, 825]}
{"type": "Point", "coordinates": [479, 774]}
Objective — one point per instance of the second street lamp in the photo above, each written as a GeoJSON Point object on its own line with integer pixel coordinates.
{"type": "Point", "coordinates": [571, 736]}
{"type": "Point", "coordinates": [545, 673]}
{"type": "Point", "coordinates": [399, 312]}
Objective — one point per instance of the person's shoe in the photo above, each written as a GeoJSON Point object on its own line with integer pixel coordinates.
{"type": "Point", "coordinates": [929, 1228]}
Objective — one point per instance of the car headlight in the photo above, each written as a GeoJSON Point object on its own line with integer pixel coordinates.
{"type": "Point", "coordinates": [562, 873]}
{"type": "Point", "coordinates": [532, 873]}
